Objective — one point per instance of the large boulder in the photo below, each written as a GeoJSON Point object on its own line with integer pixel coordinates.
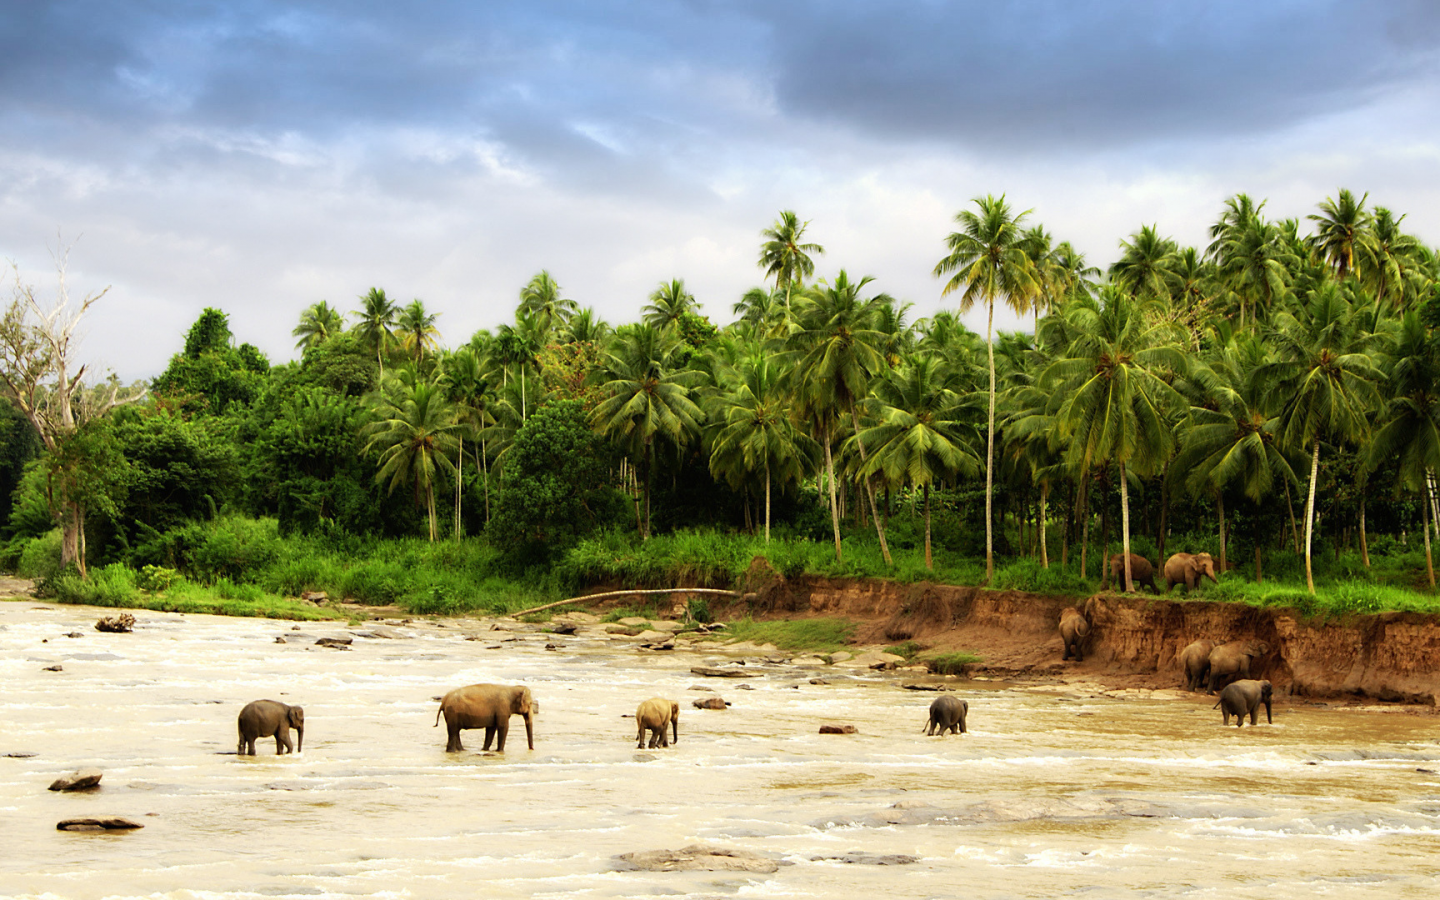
{"type": "Point", "coordinates": [106, 823]}
{"type": "Point", "coordinates": [80, 780]}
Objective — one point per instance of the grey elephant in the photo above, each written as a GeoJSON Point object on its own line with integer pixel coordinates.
{"type": "Point", "coordinates": [263, 718]}
{"type": "Point", "coordinates": [487, 706]}
{"type": "Point", "coordinates": [1188, 569]}
{"type": "Point", "coordinates": [1141, 572]}
{"type": "Point", "coordinates": [1195, 662]}
{"type": "Point", "coordinates": [947, 714]}
{"type": "Point", "coordinates": [653, 715]}
{"type": "Point", "coordinates": [1244, 697]}
{"type": "Point", "coordinates": [1231, 662]}
{"type": "Point", "coordinates": [1074, 629]}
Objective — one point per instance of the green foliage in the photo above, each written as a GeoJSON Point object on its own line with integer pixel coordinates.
{"type": "Point", "coordinates": [211, 375]}
{"type": "Point", "coordinates": [824, 635]}
{"type": "Point", "coordinates": [156, 578]}
{"type": "Point", "coordinates": [40, 557]}
{"type": "Point", "coordinates": [950, 663]}
{"type": "Point", "coordinates": [909, 649]}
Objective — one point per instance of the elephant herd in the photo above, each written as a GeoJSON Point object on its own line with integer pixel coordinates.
{"type": "Point", "coordinates": [1181, 568]}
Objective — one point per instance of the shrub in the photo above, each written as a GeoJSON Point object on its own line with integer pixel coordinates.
{"type": "Point", "coordinates": [950, 663]}
{"type": "Point", "coordinates": [40, 558]}
{"type": "Point", "coordinates": [156, 578]}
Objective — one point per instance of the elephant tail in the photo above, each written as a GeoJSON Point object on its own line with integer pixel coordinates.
{"type": "Point", "coordinates": [437, 716]}
{"type": "Point", "coordinates": [1218, 702]}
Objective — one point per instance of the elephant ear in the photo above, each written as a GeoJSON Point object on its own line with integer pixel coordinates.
{"type": "Point", "coordinates": [296, 715]}
{"type": "Point", "coordinates": [521, 702]}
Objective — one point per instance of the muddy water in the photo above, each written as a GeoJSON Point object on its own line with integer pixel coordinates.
{"type": "Point", "coordinates": [1050, 794]}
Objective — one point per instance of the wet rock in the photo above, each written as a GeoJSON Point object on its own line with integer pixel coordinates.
{"type": "Point", "coordinates": [337, 642]}
{"type": "Point", "coordinates": [633, 621]}
{"type": "Point", "coordinates": [1426, 771]}
{"type": "Point", "coordinates": [73, 634]}
{"type": "Point", "coordinates": [671, 627]}
{"type": "Point", "coordinates": [380, 632]}
{"type": "Point", "coordinates": [553, 646]}
{"type": "Point", "coordinates": [713, 672]}
{"type": "Point", "coordinates": [840, 656]}
{"type": "Point", "coordinates": [663, 645]}
{"type": "Point", "coordinates": [652, 636]}
{"type": "Point", "coordinates": [294, 627]}
{"type": "Point", "coordinates": [698, 858]}
{"type": "Point", "coordinates": [493, 647]}
{"type": "Point", "coordinates": [818, 681]}
{"type": "Point", "coordinates": [807, 661]}
{"type": "Point", "coordinates": [279, 639]}
{"type": "Point", "coordinates": [701, 687]}
{"type": "Point", "coordinates": [19, 754]}
{"type": "Point", "coordinates": [709, 703]}
{"type": "Point", "coordinates": [316, 597]}
{"type": "Point", "coordinates": [856, 858]}
{"type": "Point", "coordinates": [108, 823]}
{"type": "Point", "coordinates": [121, 624]}
{"type": "Point", "coordinates": [744, 687]}
{"type": "Point", "coordinates": [925, 687]}
{"type": "Point", "coordinates": [79, 780]}
{"type": "Point", "coordinates": [561, 628]}
{"type": "Point", "coordinates": [837, 729]}
{"type": "Point", "coordinates": [56, 668]}
{"type": "Point", "coordinates": [751, 647]}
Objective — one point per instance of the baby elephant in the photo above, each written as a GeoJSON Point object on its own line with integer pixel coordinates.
{"type": "Point", "coordinates": [262, 718]}
{"type": "Point", "coordinates": [1242, 697]}
{"type": "Point", "coordinates": [653, 715]}
{"type": "Point", "coordinates": [947, 714]}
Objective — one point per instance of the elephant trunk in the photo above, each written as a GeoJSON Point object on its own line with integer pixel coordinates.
{"type": "Point", "coordinates": [529, 730]}
{"type": "Point", "coordinates": [675, 729]}
{"type": "Point", "coordinates": [1268, 720]}
{"type": "Point", "coordinates": [299, 738]}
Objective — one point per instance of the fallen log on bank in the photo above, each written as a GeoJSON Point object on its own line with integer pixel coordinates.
{"type": "Point", "coordinates": [608, 594]}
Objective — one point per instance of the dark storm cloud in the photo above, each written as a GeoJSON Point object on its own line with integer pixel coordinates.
{"type": "Point", "coordinates": [1100, 73]}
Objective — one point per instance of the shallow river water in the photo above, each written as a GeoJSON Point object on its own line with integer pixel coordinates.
{"type": "Point", "coordinates": [1051, 794]}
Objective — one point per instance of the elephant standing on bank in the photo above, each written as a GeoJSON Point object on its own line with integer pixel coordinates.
{"type": "Point", "coordinates": [487, 706]}
{"type": "Point", "coordinates": [1231, 662]}
{"type": "Point", "coordinates": [1195, 662]}
{"type": "Point", "coordinates": [1244, 697]}
{"type": "Point", "coordinates": [1188, 569]}
{"type": "Point", "coordinates": [653, 715]}
{"type": "Point", "coordinates": [262, 718]}
{"type": "Point", "coordinates": [947, 714]}
{"type": "Point", "coordinates": [1074, 629]}
{"type": "Point", "coordinates": [1141, 572]}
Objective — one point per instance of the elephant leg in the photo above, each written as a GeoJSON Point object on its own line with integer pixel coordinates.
{"type": "Point", "coordinates": [502, 728]}
{"type": "Point", "coordinates": [454, 746]}
{"type": "Point", "coordinates": [640, 738]}
{"type": "Point", "coordinates": [489, 736]}
{"type": "Point", "coordinates": [282, 741]}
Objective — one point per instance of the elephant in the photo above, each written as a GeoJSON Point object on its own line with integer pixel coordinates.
{"type": "Point", "coordinates": [1074, 628]}
{"type": "Point", "coordinates": [653, 715]}
{"type": "Point", "coordinates": [262, 718]}
{"type": "Point", "coordinates": [1188, 569]}
{"type": "Point", "coordinates": [947, 714]}
{"type": "Point", "coordinates": [1231, 662]}
{"type": "Point", "coordinates": [1245, 696]}
{"type": "Point", "coordinates": [1141, 572]}
{"type": "Point", "coordinates": [487, 706]}
{"type": "Point", "coordinates": [1195, 660]}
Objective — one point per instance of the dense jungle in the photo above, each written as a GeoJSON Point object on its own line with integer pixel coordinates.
{"type": "Point", "coordinates": [1270, 398]}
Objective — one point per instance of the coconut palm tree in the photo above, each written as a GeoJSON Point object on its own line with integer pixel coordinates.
{"type": "Point", "coordinates": [785, 256]}
{"type": "Point", "coordinates": [1255, 263]}
{"type": "Point", "coordinates": [1146, 267]}
{"type": "Point", "coordinates": [515, 349]}
{"type": "Point", "coordinates": [540, 299]}
{"type": "Point", "coordinates": [923, 436]}
{"type": "Point", "coordinates": [416, 329]}
{"type": "Point", "coordinates": [1113, 381]}
{"type": "Point", "coordinates": [376, 323]}
{"type": "Point", "coordinates": [646, 397]}
{"type": "Point", "coordinates": [1328, 379]}
{"type": "Point", "coordinates": [668, 305]}
{"type": "Point", "coordinates": [1343, 232]}
{"type": "Point", "coordinates": [585, 325]}
{"type": "Point", "coordinates": [988, 261]}
{"type": "Point", "coordinates": [416, 435]}
{"type": "Point", "coordinates": [1391, 262]}
{"type": "Point", "coordinates": [834, 352]}
{"type": "Point", "coordinates": [318, 323]}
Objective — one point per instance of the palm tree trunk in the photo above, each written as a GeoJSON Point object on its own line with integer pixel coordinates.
{"type": "Point", "coordinates": [459, 480]}
{"type": "Point", "coordinates": [990, 445]}
{"type": "Point", "coordinates": [430, 508]}
{"type": "Point", "coordinates": [834, 503]}
{"type": "Point", "coordinates": [1294, 532]}
{"type": "Point", "coordinates": [1434, 509]}
{"type": "Point", "coordinates": [870, 489]}
{"type": "Point", "coordinates": [1429, 563]}
{"type": "Point", "coordinates": [485, 465]}
{"type": "Point", "coordinates": [1259, 576]}
{"type": "Point", "coordinates": [1066, 526]}
{"type": "Point", "coordinates": [1044, 499]}
{"type": "Point", "coordinates": [1083, 497]}
{"type": "Point", "coordinates": [927, 526]}
{"type": "Point", "coordinates": [1364, 543]}
{"type": "Point", "coordinates": [1125, 529]}
{"type": "Point", "coordinates": [1220, 508]}
{"type": "Point", "coordinates": [1164, 513]}
{"type": "Point", "coordinates": [1310, 516]}
{"type": "Point", "coordinates": [767, 499]}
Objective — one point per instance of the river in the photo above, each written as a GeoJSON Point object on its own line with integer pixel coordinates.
{"type": "Point", "coordinates": [1054, 791]}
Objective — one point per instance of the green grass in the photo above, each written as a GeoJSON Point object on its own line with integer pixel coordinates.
{"type": "Point", "coordinates": [949, 663]}
{"type": "Point", "coordinates": [114, 586]}
{"type": "Point", "coordinates": [908, 649]}
{"type": "Point", "coordinates": [814, 635]}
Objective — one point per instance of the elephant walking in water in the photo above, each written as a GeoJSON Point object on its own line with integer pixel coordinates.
{"type": "Point", "coordinates": [487, 706]}
{"type": "Point", "coordinates": [653, 715]}
{"type": "Point", "coordinates": [1231, 662]}
{"type": "Point", "coordinates": [262, 718]}
{"type": "Point", "coordinates": [947, 714]}
{"type": "Point", "coordinates": [1242, 698]}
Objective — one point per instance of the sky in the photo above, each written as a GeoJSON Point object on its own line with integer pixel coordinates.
{"type": "Point", "coordinates": [261, 156]}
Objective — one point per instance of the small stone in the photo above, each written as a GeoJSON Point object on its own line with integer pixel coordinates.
{"type": "Point", "coordinates": [837, 729]}
{"type": "Point", "coordinates": [744, 687]}
{"type": "Point", "coordinates": [709, 703]}
{"type": "Point", "coordinates": [54, 669]}
{"type": "Point", "coordinates": [294, 627]}
{"type": "Point", "coordinates": [552, 646]}
{"type": "Point", "coordinates": [280, 639]}
{"type": "Point", "coordinates": [713, 672]}
{"type": "Point", "coordinates": [818, 681]}
{"type": "Point", "coordinates": [108, 823]}
{"type": "Point", "coordinates": [80, 780]}
{"type": "Point", "coordinates": [74, 634]}
{"type": "Point", "coordinates": [20, 754]}
{"type": "Point", "coordinates": [561, 628]}
{"type": "Point", "coordinates": [335, 642]}
{"type": "Point", "coordinates": [316, 597]}
{"type": "Point", "coordinates": [121, 624]}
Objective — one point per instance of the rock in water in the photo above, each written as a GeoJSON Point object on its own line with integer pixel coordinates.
{"type": "Point", "coordinates": [78, 781]}
{"type": "Point", "coordinates": [121, 624]}
{"type": "Point", "coordinates": [712, 672]}
{"type": "Point", "coordinates": [709, 703]}
{"type": "Point", "coordinates": [108, 823]}
{"type": "Point", "coordinates": [837, 729]}
{"type": "Point", "coordinates": [699, 858]}
{"type": "Point", "coordinates": [339, 642]}
{"type": "Point", "coordinates": [856, 858]}
{"type": "Point", "coordinates": [56, 668]}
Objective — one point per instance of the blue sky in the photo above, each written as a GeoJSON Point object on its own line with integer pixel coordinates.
{"type": "Point", "coordinates": [260, 156]}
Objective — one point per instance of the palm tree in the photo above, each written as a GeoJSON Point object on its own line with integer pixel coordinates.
{"type": "Point", "coordinates": [1328, 381]}
{"type": "Point", "coordinates": [415, 434]}
{"type": "Point", "coordinates": [785, 256]}
{"type": "Point", "coordinates": [318, 323]}
{"type": "Point", "coordinates": [645, 397]}
{"type": "Point", "coordinates": [988, 259]}
{"type": "Point", "coordinates": [376, 323]}
{"type": "Point", "coordinates": [1146, 268]}
{"type": "Point", "coordinates": [835, 351]}
{"type": "Point", "coordinates": [473, 395]}
{"type": "Point", "coordinates": [757, 434]}
{"type": "Point", "coordinates": [1115, 393]}
{"type": "Point", "coordinates": [540, 298]}
{"type": "Point", "coordinates": [515, 349]}
{"type": "Point", "coordinates": [1343, 232]}
{"type": "Point", "coordinates": [1255, 263]}
{"type": "Point", "coordinates": [416, 329]}
{"type": "Point", "coordinates": [668, 305]}
{"type": "Point", "coordinates": [1390, 263]}
{"type": "Point", "coordinates": [922, 437]}
{"type": "Point", "coordinates": [585, 325]}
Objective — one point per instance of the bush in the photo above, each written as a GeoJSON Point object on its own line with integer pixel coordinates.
{"type": "Point", "coordinates": [156, 578]}
{"type": "Point", "coordinates": [40, 557]}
